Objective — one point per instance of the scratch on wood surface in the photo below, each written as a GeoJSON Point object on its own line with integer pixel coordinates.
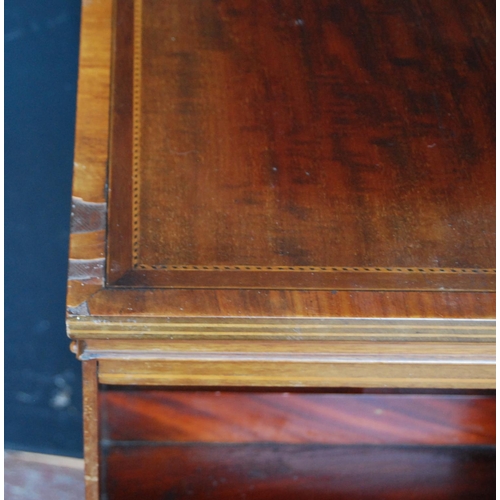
{"type": "Point", "coordinates": [87, 216]}
{"type": "Point", "coordinates": [85, 269]}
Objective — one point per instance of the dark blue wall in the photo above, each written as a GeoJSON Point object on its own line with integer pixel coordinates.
{"type": "Point", "coordinates": [42, 378]}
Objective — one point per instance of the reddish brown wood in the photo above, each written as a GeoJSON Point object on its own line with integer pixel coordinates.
{"type": "Point", "coordinates": [120, 205]}
{"type": "Point", "coordinates": [218, 111]}
{"type": "Point", "coordinates": [228, 417]}
{"type": "Point", "coordinates": [286, 303]}
{"type": "Point", "coordinates": [279, 472]}
{"type": "Point", "coordinates": [303, 145]}
{"type": "Point", "coordinates": [330, 161]}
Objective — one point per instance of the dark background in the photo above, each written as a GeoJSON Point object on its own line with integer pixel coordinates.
{"type": "Point", "coordinates": [42, 377]}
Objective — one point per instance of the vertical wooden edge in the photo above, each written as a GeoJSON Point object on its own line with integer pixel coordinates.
{"type": "Point", "coordinates": [91, 429]}
{"type": "Point", "coordinates": [93, 100]}
{"type": "Point", "coordinates": [120, 174]}
{"type": "Point", "coordinates": [89, 207]}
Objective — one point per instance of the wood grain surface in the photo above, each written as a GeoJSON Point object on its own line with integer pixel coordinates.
{"type": "Point", "coordinates": [273, 472]}
{"type": "Point", "coordinates": [89, 208]}
{"type": "Point", "coordinates": [231, 371]}
{"type": "Point", "coordinates": [289, 303]}
{"type": "Point", "coordinates": [168, 443]}
{"type": "Point", "coordinates": [290, 338]}
{"type": "Point", "coordinates": [456, 36]}
{"type": "Point", "coordinates": [230, 417]}
{"type": "Point", "coordinates": [143, 333]}
{"type": "Point", "coordinates": [293, 353]}
{"type": "Point", "coordinates": [303, 145]}
{"type": "Point", "coordinates": [285, 194]}
{"type": "Point", "coordinates": [91, 441]}
{"type": "Point", "coordinates": [428, 69]}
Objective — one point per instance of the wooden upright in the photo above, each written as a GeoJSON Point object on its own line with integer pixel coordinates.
{"type": "Point", "coordinates": [293, 199]}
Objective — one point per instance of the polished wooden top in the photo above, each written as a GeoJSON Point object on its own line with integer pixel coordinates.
{"type": "Point", "coordinates": [302, 145]}
{"type": "Point", "coordinates": [295, 159]}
